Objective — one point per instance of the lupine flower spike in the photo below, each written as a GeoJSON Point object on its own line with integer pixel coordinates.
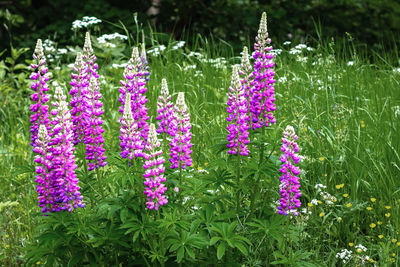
{"type": "Point", "coordinates": [290, 185]}
{"type": "Point", "coordinates": [154, 189]}
{"type": "Point", "coordinates": [245, 72]}
{"type": "Point", "coordinates": [165, 109]}
{"type": "Point", "coordinates": [93, 127]}
{"type": "Point", "coordinates": [144, 63]}
{"type": "Point", "coordinates": [238, 127]}
{"type": "Point", "coordinates": [45, 188]}
{"type": "Point", "coordinates": [79, 83]}
{"type": "Point", "coordinates": [63, 177]}
{"type": "Point", "coordinates": [180, 145]}
{"type": "Point", "coordinates": [262, 95]}
{"type": "Point", "coordinates": [139, 99]}
{"type": "Point", "coordinates": [134, 84]}
{"type": "Point", "coordinates": [40, 111]}
{"type": "Point", "coordinates": [130, 136]}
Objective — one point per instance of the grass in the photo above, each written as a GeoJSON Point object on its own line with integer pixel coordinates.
{"type": "Point", "coordinates": [347, 117]}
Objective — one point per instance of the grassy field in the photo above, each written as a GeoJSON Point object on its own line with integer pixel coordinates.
{"type": "Point", "coordinates": [345, 110]}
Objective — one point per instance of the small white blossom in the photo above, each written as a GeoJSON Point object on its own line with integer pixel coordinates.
{"type": "Point", "coordinates": [287, 43]}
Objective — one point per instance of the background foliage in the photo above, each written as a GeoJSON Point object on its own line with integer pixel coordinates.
{"type": "Point", "coordinates": [372, 22]}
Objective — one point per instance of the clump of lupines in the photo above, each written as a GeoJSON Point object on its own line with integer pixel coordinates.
{"type": "Point", "coordinates": [180, 145]}
{"type": "Point", "coordinates": [245, 72]}
{"type": "Point", "coordinates": [79, 83]}
{"type": "Point", "coordinates": [154, 189]}
{"type": "Point", "coordinates": [93, 130]}
{"type": "Point", "coordinates": [62, 176]}
{"type": "Point", "coordinates": [39, 84]}
{"type": "Point", "coordinates": [135, 85]}
{"type": "Point", "coordinates": [165, 109]}
{"type": "Point", "coordinates": [238, 127]}
{"type": "Point", "coordinates": [262, 94]}
{"type": "Point", "coordinates": [131, 144]}
{"type": "Point", "coordinates": [290, 185]}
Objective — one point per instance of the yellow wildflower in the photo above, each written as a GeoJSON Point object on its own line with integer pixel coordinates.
{"type": "Point", "coordinates": [349, 205]}
{"type": "Point", "coordinates": [379, 222]}
{"type": "Point", "coordinates": [7, 246]}
{"type": "Point", "coordinates": [351, 244]}
{"type": "Point", "coordinates": [321, 214]}
{"type": "Point", "coordinates": [394, 240]}
{"type": "Point", "coordinates": [199, 168]}
{"type": "Point", "coordinates": [380, 236]}
{"type": "Point", "coordinates": [387, 207]}
{"type": "Point", "coordinates": [359, 250]}
{"type": "Point", "coordinates": [38, 262]}
{"type": "Point", "coordinates": [339, 219]}
{"type": "Point", "coordinates": [373, 199]}
{"type": "Point", "coordinates": [321, 158]}
{"type": "Point", "coordinates": [310, 204]}
{"type": "Point", "coordinates": [371, 260]}
{"type": "Point", "coordinates": [372, 225]}
{"type": "Point", "coordinates": [338, 186]}
{"type": "Point", "coordinates": [346, 195]}
{"type": "Point", "coordinates": [205, 164]}
{"type": "Point", "coordinates": [319, 201]}
{"type": "Point", "coordinates": [369, 208]}
{"type": "Point", "coordinates": [398, 244]}
{"type": "Point", "coordinates": [393, 254]}
{"type": "Point", "coordinates": [387, 215]}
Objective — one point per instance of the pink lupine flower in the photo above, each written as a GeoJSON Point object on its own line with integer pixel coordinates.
{"type": "Point", "coordinates": [245, 72]}
{"type": "Point", "coordinates": [131, 144]}
{"type": "Point", "coordinates": [47, 190]}
{"type": "Point", "coordinates": [165, 109]}
{"type": "Point", "coordinates": [135, 85]}
{"type": "Point", "coordinates": [290, 185]}
{"type": "Point", "coordinates": [62, 175]}
{"type": "Point", "coordinates": [40, 111]}
{"type": "Point", "coordinates": [93, 130]}
{"type": "Point", "coordinates": [262, 94]}
{"type": "Point", "coordinates": [238, 127]}
{"type": "Point", "coordinates": [180, 145]}
{"type": "Point", "coordinates": [80, 84]}
{"type": "Point", "coordinates": [154, 187]}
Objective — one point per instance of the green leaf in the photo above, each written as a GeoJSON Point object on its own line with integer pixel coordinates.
{"type": "Point", "coordinates": [214, 240]}
{"type": "Point", "coordinates": [190, 253]}
{"type": "Point", "coordinates": [242, 248]}
{"type": "Point", "coordinates": [180, 254]}
{"type": "Point", "coordinates": [221, 250]}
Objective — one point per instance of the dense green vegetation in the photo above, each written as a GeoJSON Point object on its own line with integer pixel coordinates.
{"type": "Point", "coordinates": [345, 110]}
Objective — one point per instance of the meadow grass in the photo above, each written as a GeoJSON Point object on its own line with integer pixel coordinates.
{"type": "Point", "coordinates": [345, 109]}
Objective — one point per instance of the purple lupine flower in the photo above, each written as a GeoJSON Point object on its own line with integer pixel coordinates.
{"type": "Point", "coordinates": [47, 190]}
{"type": "Point", "coordinates": [262, 95]}
{"type": "Point", "coordinates": [93, 129]}
{"type": "Point", "coordinates": [39, 78]}
{"type": "Point", "coordinates": [165, 109]}
{"type": "Point", "coordinates": [245, 72]}
{"type": "Point", "coordinates": [131, 144]}
{"type": "Point", "coordinates": [153, 165]}
{"type": "Point", "coordinates": [62, 176]}
{"type": "Point", "coordinates": [180, 145]}
{"type": "Point", "coordinates": [290, 185]}
{"type": "Point", "coordinates": [79, 83]}
{"type": "Point", "coordinates": [144, 63]}
{"type": "Point", "coordinates": [135, 85]}
{"type": "Point", "coordinates": [238, 127]}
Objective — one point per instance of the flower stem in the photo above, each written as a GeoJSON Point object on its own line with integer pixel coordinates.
{"type": "Point", "coordinates": [238, 183]}
{"type": "Point", "coordinates": [253, 198]}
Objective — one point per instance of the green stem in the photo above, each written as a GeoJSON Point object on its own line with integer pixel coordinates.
{"type": "Point", "coordinates": [145, 261]}
{"type": "Point", "coordinates": [253, 198]}
{"type": "Point", "coordinates": [100, 181]}
{"type": "Point", "coordinates": [238, 184]}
